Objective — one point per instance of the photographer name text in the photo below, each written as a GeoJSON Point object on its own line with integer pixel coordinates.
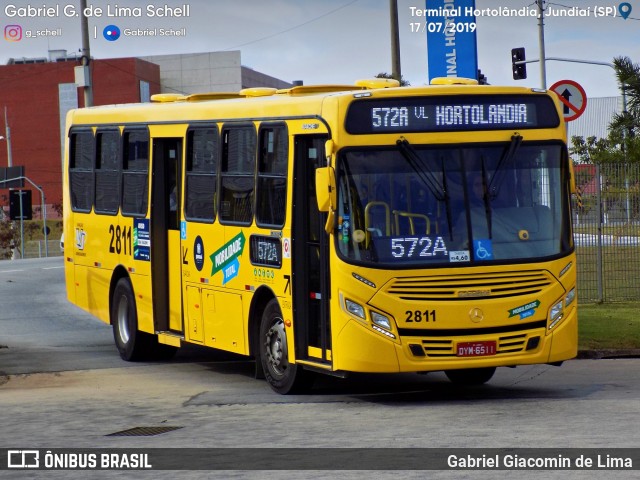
{"type": "Point", "coordinates": [70, 10]}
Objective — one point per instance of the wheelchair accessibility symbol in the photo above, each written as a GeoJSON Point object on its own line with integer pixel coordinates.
{"type": "Point", "coordinates": [483, 250]}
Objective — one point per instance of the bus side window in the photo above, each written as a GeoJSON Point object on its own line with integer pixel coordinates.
{"type": "Point", "coordinates": [108, 167]}
{"type": "Point", "coordinates": [272, 176]}
{"type": "Point", "coordinates": [201, 173]}
{"type": "Point", "coordinates": [135, 173]}
{"type": "Point", "coordinates": [238, 167]}
{"type": "Point", "coordinates": [81, 170]}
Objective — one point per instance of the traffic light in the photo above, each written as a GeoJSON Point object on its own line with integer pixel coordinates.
{"type": "Point", "coordinates": [519, 70]}
{"type": "Point", "coordinates": [20, 204]}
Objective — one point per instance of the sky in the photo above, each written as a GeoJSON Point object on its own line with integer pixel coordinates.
{"type": "Point", "coordinates": [329, 41]}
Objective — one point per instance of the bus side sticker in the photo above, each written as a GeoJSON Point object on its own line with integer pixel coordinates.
{"type": "Point", "coordinates": [226, 258]}
{"type": "Point", "coordinates": [286, 248]}
{"type": "Point", "coordinates": [198, 253]}
{"type": "Point", "coordinates": [141, 240]}
{"type": "Point", "coordinates": [81, 237]}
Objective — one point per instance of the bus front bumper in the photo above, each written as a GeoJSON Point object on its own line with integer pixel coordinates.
{"type": "Point", "coordinates": [359, 349]}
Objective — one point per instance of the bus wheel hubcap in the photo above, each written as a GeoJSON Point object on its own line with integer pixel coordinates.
{"type": "Point", "coordinates": [276, 343]}
{"type": "Point", "coordinates": [123, 319]}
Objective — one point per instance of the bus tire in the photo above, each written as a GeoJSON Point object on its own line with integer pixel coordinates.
{"type": "Point", "coordinates": [282, 376]}
{"type": "Point", "coordinates": [132, 344]}
{"type": "Point", "coordinates": [470, 376]}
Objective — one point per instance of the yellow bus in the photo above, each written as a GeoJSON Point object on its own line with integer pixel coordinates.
{"type": "Point", "coordinates": [328, 229]}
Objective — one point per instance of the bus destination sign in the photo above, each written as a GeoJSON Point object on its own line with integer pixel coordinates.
{"type": "Point", "coordinates": [451, 113]}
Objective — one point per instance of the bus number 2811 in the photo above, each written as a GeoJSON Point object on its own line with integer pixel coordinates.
{"type": "Point", "coordinates": [418, 316]}
{"type": "Point", "coordinates": [120, 240]}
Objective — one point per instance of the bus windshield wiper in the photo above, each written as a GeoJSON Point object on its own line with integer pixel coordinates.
{"type": "Point", "coordinates": [485, 198]}
{"type": "Point", "coordinates": [426, 176]}
{"type": "Point", "coordinates": [500, 171]}
{"type": "Point", "coordinates": [422, 170]}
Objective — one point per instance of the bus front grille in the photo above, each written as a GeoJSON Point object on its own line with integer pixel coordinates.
{"type": "Point", "coordinates": [439, 347]}
{"type": "Point", "coordinates": [464, 287]}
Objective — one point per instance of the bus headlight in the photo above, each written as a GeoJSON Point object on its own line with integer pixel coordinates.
{"type": "Point", "coordinates": [382, 324]}
{"type": "Point", "coordinates": [380, 320]}
{"type": "Point", "coordinates": [354, 308]}
{"type": "Point", "coordinates": [571, 296]}
{"type": "Point", "coordinates": [555, 314]}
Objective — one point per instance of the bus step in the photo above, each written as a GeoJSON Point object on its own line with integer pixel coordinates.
{"type": "Point", "coordinates": [170, 338]}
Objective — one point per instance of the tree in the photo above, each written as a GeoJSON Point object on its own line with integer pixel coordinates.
{"type": "Point", "coordinates": [589, 149]}
{"type": "Point", "coordinates": [628, 75]}
{"type": "Point", "coordinates": [9, 239]}
{"type": "Point", "coordinates": [403, 82]}
{"type": "Point", "coordinates": [623, 141]}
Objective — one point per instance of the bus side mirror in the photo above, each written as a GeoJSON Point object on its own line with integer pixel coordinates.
{"type": "Point", "coordinates": [326, 189]}
{"type": "Point", "coordinates": [326, 195]}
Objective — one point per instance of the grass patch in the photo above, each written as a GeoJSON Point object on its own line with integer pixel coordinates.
{"type": "Point", "coordinates": [33, 238]}
{"type": "Point", "coordinates": [33, 229]}
{"type": "Point", "coordinates": [609, 326]}
{"type": "Point", "coordinates": [620, 273]}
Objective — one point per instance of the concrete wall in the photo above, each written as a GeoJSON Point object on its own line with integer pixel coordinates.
{"type": "Point", "coordinates": [209, 72]}
{"type": "Point", "coordinates": [253, 78]}
{"type": "Point", "coordinates": [199, 72]}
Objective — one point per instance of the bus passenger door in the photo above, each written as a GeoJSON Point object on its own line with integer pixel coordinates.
{"type": "Point", "coordinates": [166, 259]}
{"type": "Point", "coordinates": [310, 255]}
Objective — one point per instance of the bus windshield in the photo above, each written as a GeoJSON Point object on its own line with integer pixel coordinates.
{"type": "Point", "coordinates": [416, 205]}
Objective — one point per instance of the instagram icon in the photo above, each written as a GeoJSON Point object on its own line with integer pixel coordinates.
{"type": "Point", "coordinates": [13, 33]}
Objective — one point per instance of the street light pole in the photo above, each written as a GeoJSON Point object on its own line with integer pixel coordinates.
{"type": "Point", "coordinates": [395, 40]}
{"type": "Point", "coordinates": [8, 138]}
{"type": "Point", "coordinates": [86, 55]}
{"type": "Point", "coordinates": [543, 63]}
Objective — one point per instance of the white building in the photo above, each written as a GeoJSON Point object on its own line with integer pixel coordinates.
{"type": "Point", "coordinates": [596, 118]}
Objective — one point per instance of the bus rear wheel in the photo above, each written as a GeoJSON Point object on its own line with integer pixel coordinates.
{"type": "Point", "coordinates": [282, 376]}
{"type": "Point", "coordinates": [132, 344]}
{"type": "Point", "coordinates": [470, 376]}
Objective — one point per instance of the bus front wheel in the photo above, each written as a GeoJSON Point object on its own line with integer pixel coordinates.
{"type": "Point", "coordinates": [282, 376]}
{"type": "Point", "coordinates": [470, 376]}
{"type": "Point", "coordinates": [131, 343]}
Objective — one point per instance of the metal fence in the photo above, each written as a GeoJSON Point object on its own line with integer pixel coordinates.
{"type": "Point", "coordinates": [38, 249]}
{"type": "Point", "coordinates": [606, 220]}
{"type": "Point", "coordinates": [34, 249]}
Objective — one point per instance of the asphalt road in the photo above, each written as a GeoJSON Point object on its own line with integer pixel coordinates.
{"type": "Point", "coordinates": [63, 385]}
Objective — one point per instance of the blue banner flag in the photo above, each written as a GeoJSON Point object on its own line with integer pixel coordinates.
{"type": "Point", "coordinates": [451, 38]}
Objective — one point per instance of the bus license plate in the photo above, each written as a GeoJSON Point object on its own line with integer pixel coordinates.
{"type": "Point", "coordinates": [476, 349]}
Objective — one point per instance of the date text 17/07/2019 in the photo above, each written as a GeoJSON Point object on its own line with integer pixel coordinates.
{"type": "Point", "coordinates": [449, 28]}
